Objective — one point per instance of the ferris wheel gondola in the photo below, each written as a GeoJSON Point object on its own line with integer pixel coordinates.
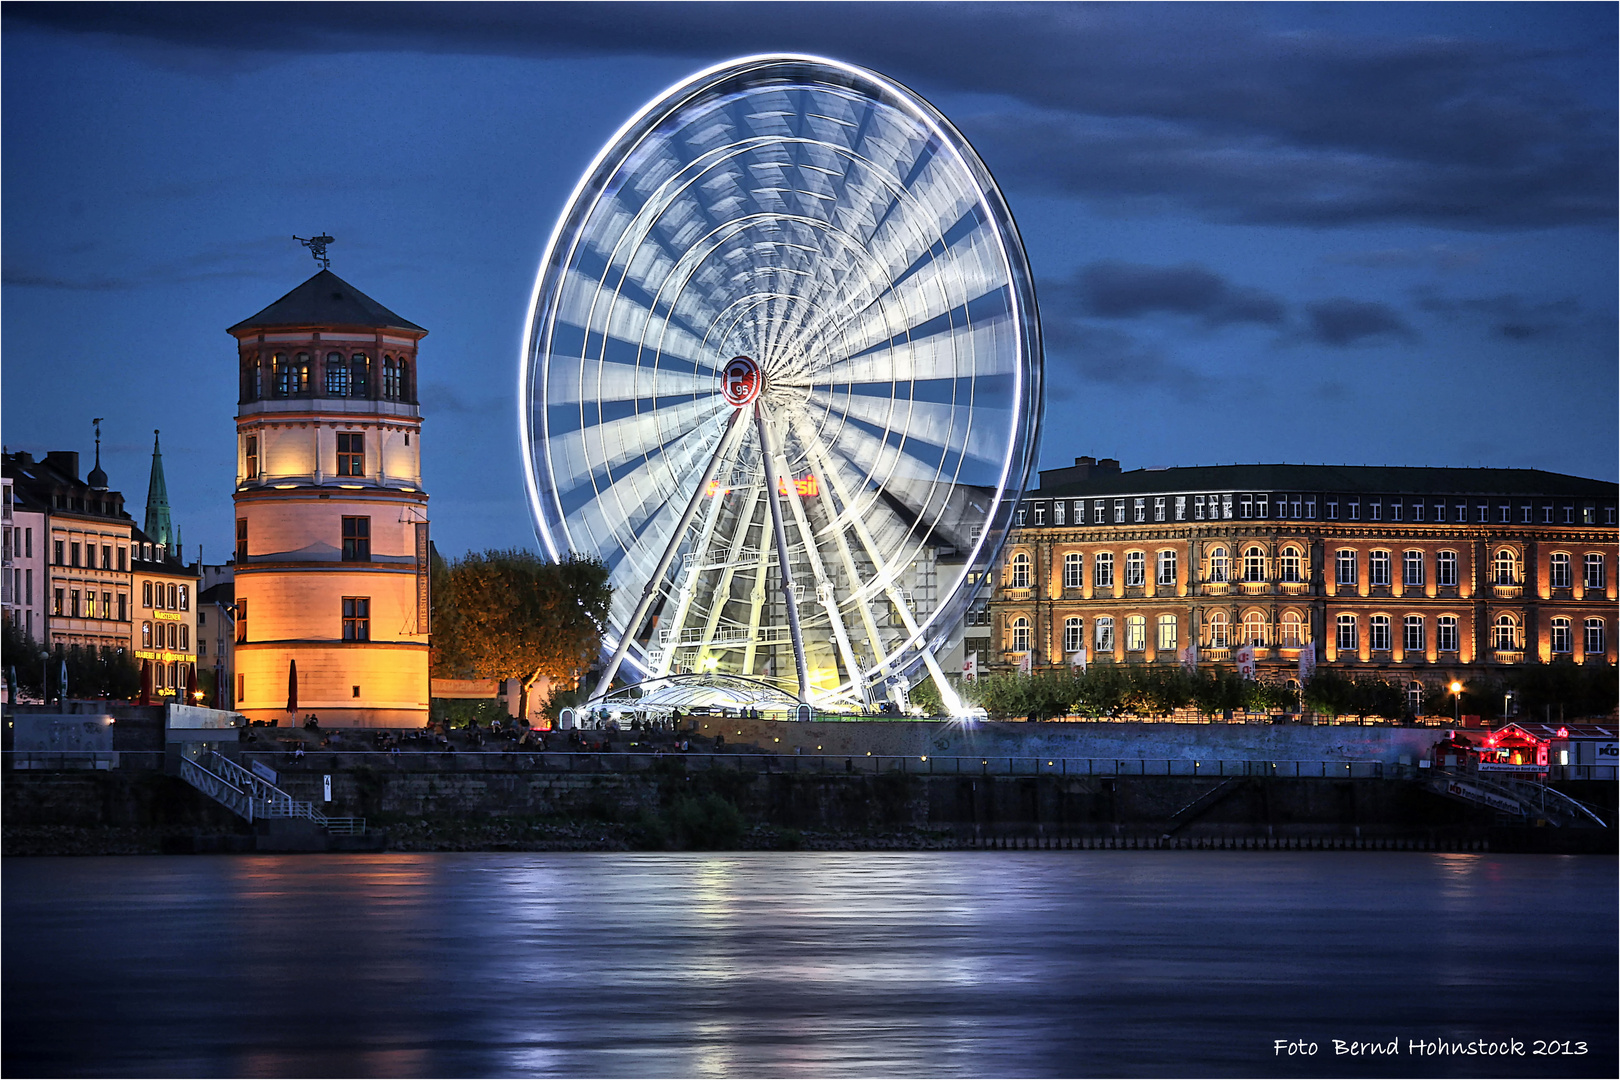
{"type": "Point", "coordinates": [782, 374]}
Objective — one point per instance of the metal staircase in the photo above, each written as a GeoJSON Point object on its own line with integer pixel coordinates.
{"type": "Point", "coordinates": [252, 797]}
{"type": "Point", "coordinates": [1520, 798]}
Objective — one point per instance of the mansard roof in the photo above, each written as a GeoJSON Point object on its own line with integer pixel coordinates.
{"type": "Point", "coordinates": [325, 300]}
{"type": "Point", "coordinates": [1351, 479]}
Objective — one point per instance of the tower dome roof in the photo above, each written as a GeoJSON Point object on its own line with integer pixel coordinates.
{"type": "Point", "coordinates": [325, 300]}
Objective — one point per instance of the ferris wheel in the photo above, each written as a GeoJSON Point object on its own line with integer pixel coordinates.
{"type": "Point", "coordinates": [782, 373]}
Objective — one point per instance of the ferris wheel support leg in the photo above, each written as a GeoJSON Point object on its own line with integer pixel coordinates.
{"type": "Point", "coordinates": [722, 450]}
{"type": "Point", "coordinates": [767, 454]}
{"type": "Point", "coordinates": [857, 678]}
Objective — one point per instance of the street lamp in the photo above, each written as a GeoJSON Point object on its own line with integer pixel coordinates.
{"type": "Point", "coordinates": [1456, 698]}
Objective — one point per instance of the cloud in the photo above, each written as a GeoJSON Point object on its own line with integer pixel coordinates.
{"type": "Point", "coordinates": [1087, 353]}
{"type": "Point", "coordinates": [1341, 322]}
{"type": "Point", "coordinates": [244, 260]}
{"type": "Point", "coordinates": [1508, 315]}
{"type": "Point", "coordinates": [1204, 108]}
{"type": "Point", "coordinates": [1118, 290]}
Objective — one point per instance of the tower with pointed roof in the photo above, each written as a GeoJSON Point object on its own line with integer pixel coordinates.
{"type": "Point", "coordinates": [331, 563]}
{"type": "Point", "coordinates": [158, 525]}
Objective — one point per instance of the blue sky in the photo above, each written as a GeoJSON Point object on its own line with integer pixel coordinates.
{"type": "Point", "coordinates": [1359, 233]}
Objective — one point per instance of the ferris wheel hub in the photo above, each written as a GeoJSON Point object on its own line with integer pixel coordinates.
{"type": "Point", "coordinates": [741, 382]}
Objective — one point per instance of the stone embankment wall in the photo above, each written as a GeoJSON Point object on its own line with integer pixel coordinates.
{"type": "Point", "coordinates": [1120, 741]}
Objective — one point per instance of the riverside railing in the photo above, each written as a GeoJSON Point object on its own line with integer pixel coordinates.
{"type": "Point", "coordinates": [634, 760]}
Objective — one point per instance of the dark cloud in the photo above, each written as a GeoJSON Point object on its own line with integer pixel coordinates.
{"type": "Point", "coordinates": [1507, 315]}
{"type": "Point", "coordinates": [1341, 321]}
{"type": "Point", "coordinates": [1195, 105]}
{"type": "Point", "coordinates": [1116, 290]}
{"type": "Point", "coordinates": [1079, 352]}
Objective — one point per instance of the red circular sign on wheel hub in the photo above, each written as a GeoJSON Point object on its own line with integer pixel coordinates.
{"type": "Point", "coordinates": [741, 381]}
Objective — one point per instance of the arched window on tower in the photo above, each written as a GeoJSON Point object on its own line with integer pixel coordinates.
{"type": "Point", "coordinates": [391, 379]}
{"type": "Point", "coordinates": [337, 375]}
{"type": "Point", "coordinates": [252, 378]}
{"type": "Point", "coordinates": [360, 375]}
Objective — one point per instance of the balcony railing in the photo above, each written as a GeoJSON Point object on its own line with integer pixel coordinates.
{"type": "Point", "coordinates": [1507, 592]}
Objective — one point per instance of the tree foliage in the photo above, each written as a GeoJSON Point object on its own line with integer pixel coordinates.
{"type": "Point", "coordinates": [1120, 691]}
{"type": "Point", "coordinates": [514, 615]}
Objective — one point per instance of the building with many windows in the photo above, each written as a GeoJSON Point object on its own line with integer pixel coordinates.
{"type": "Point", "coordinates": [1410, 573]}
{"type": "Point", "coordinates": [330, 573]}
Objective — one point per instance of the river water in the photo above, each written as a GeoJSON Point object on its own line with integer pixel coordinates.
{"type": "Point", "coordinates": [802, 964]}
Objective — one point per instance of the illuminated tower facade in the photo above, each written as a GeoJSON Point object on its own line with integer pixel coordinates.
{"type": "Point", "coordinates": [331, 563]}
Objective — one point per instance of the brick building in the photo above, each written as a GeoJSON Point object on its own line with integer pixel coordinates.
{"type": "Point", "coordinates": [1415, 574]}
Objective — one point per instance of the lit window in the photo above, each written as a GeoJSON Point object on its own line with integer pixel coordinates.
{"type": "Point", "coordinates": [1019, 634]}
{"type": "Point", "coordinates": [1347, 633]}
{"type": "Point", "coordinates": [356, 618]}
{"type": "Point", "coordinates": [1072, 570]}
{"type": "Point", "coordinates": [1594, 570]}
{"type": "Point", "coordinates": [1505, 634]}
{"type": "Point", "coordinates": [185, 598]}
{"type": "Point", "coordinates": [1562, 638]}
{"type": "Point", "coordinates": [1167, 568]}
{"type": "Point", "coordinates": [1254, 563]}
{"type": "Point", "coordinates": [1167, 633]}
{"type": "Point", "coordinates": [1135, 633]}
{"type": "Point", "coordinates": [1503, 569]}
{"type": "Point", "coordinates": [1220, 565]}
{"type": "Point", "coordinates": [1293, 630]}
{"type": "Point", "coordinates": [252, 456]}
{"type": "Point", "coordinates": [1020, 571]}
{"type": "Point", "coordinates": [1594, 636]}
{"type": "Point", "coordinates": [1219, 630]}
{"type": "Point", "coordinates": [1378, 636]}
{"type": "Point", "coordinates": [241, 540]}
{"type": "Point", "coordinates": [1412, 634]}
{"type": "Point", "coordinates": [146, 635]}
{"type": "Point", "coordinates": [1344, 562]}
{"type": "Point", "coordinates": [1558, 568]}
{"type": "Point", "coordinates": [1378, 568]}
{"type": "Point", "coordinates": [1289, 566]}
{"type": "Point", "coordinates": [1445, 569]}
{"type": "Point", "coordinates": [1102, 570]}
{"type": "Point", "coordinates": [1074, 637]}
{"type": "Point", "coordinates": [241, 620]}
{"type": "Point", "coordinates": [1445, 633]}
{"type": "Point", "coordinates": [351, 454]}
{"type": "Point", "coordinates": [1135, 568]}
{"type": "Point", "coordinates": [1103, 632]}
{"type": "Point", "coordinates": [1254, 628]}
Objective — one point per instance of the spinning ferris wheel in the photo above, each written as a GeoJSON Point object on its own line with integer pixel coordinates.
{"type": "Point", "coordinates": [783, 375]}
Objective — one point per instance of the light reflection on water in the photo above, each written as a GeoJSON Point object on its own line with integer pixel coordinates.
{"type": "Point", "coordinates": [798, 964]}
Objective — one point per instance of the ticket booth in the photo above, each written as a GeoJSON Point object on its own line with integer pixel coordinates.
{"type": "Point", "coordinates": [1513, 750]}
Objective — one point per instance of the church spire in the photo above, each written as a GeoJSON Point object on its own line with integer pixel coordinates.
{"type": "Point", "coordinates": [98, 476]}
{"type": "Point", "coordinates": [158, 526]}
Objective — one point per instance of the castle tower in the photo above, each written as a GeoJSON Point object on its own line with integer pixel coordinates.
{"type": "Point", "coordinates": [331, 520]}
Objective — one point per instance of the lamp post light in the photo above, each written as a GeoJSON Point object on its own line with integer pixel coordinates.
{"type": "Point", "coordinates": [1456, 698]}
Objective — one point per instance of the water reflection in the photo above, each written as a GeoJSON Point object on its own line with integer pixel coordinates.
{"type": "Point", "coordinates": [795, 964]}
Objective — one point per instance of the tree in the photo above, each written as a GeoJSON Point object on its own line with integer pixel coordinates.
{"type": "Point", "coordinates": [513, 615]}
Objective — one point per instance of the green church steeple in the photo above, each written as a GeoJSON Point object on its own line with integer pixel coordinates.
{"type": "Point", "coordinates": [158, 524]}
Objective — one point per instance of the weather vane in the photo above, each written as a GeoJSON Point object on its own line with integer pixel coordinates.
{"type": "Point", "coordinates": [317, 249]}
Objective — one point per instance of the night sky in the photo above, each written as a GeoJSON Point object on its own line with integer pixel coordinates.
{"type": "Point", "coordinates": [1355, 233]}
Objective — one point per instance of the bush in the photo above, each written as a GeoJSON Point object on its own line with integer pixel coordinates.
{"type": "Point", "coordinates": [707, 823]}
